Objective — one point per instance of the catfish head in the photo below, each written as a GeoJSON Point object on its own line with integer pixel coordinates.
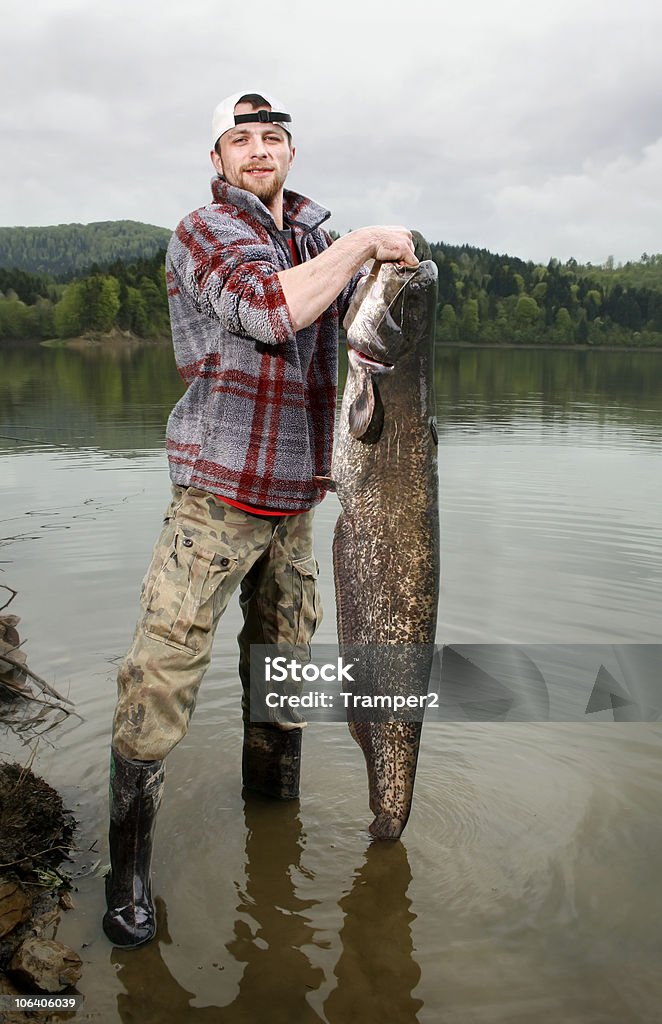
{"type": "Point", "coordinates": [391, 317]}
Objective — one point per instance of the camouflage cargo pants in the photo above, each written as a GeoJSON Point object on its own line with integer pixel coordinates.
{"type": "Point", "coordinates": [207, 550]}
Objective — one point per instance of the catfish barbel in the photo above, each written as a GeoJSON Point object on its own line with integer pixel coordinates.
{"type": "Point", "coordinates": [386, 540]}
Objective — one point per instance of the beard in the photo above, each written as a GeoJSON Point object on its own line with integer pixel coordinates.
{"type": "Point", "coordinates": [265, 189]}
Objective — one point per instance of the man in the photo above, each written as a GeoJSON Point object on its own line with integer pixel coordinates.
{"type": "Point", "coordinates": [256, 291]}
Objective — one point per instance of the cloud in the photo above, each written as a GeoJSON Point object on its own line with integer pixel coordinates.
{"type": "Point", "coordinates": [530, 127]}
{"type": "Point", "coordinates": [610, 208]}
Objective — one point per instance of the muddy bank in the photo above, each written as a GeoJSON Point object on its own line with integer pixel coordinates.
{"type": "Point", "coordinates": [36, 836]}
{"type": "Point", "coordinates": [110, 339]}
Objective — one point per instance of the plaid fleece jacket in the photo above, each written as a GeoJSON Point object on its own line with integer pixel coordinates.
{"type": "Point", "coordinates": [256, 421]}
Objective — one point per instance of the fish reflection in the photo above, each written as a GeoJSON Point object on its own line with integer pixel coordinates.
{"type": "Point", "coordinates": [376, 971]}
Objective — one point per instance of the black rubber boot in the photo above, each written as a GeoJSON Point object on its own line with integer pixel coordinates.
{"type": "Point", "coordinates": [136, 788]}
{"type": "Point", "coordinates": [271, 761]}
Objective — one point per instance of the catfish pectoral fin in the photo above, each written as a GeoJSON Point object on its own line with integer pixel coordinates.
{"type": "Point", "coordinates": [366, 413]}
{"type": "Point", "coordinates": [325, 483]}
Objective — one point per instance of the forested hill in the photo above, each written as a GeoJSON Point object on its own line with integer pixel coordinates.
{"type": "Point", "coordinates": [484, 297]}
{"type": "Point", "coordinates": [65, 251]}
{"type": "Point", "coordinates": [73, 279]}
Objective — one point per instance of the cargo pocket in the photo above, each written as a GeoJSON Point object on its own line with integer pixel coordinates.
{"type": "Point", "coordinates": [157, 565]}
{"type": "Point", "coordinates": [306, 602]}
{"type": "Point", "coordinates": [180, 603]}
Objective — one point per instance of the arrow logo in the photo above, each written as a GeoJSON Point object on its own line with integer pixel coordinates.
{"type": "Point", "coordinates": [607, 694]}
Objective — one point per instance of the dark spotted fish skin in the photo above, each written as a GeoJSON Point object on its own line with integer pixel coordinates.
{"type": "Point", "coordinates": [386, 541]}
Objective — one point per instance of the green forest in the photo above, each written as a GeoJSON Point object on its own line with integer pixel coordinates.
{"type": "Point", "coordinates": [124, 296]}
{"type": "Point", "coordinates": [495, 299]}
{"type": "Point", "coordinates": [64, 251]}
{"type": "Point", "coordinates": [113, 278]}
{"type": "Point", "coordinates": [75, 279]}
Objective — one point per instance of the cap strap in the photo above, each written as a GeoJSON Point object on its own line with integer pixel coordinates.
{"type": "Point", "coordinates": [261, 115]}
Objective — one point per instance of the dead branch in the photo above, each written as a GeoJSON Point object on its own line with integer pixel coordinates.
{"type": "Point", "coordinates": [33, 675]}
{"type": "Point", "coordinates": [33, 856]}
{"type": "Point", "coordinates": [17, 683]}
{"type": "Point", "coordinates": [13, 595]}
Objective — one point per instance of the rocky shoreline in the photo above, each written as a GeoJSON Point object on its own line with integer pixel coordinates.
{"type": "Point", "coordinates": [36, 835]}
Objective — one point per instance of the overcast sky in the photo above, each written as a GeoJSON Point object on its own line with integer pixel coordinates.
{"type": "Point", "coordinates": [533, 128]}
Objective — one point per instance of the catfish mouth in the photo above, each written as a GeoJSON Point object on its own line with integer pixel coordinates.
{"type": "Point", "coordinates": [370, 352]}
{"type": "Point", "coordinates": [375, 341]}
{"type": "Point", "coordinates": [359, 359]}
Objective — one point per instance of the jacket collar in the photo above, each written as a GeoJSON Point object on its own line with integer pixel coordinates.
{"type": "Point", "coordinates": [298, 210]}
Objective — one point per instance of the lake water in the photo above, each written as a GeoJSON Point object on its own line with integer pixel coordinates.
{"type": "Point", "coordinates": [525, 887]}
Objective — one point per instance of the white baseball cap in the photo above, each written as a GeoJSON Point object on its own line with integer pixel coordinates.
{"type": "Point", "coordinates": [224, 116]}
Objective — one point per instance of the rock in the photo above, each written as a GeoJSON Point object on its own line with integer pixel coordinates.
{"type": "Point", "coordinates": [46, 965]}
{"type": "Point", "coordinates": [15, 906]}
{"type": "Point", "coordinates": [6, 987]}
{"type": "Point", "coordinates": [8, 1016]}
{"type": "Point", "coordinates": [66, 901]}
{"type": "Point", "coordinates": [8, 631]}
{"type": "Point", "coordinates": [45, 920]}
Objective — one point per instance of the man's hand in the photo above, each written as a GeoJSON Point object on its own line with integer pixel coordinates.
{"type": "Point", "coordinates": [311, 287]}
{"type": "Point", "coordinates": [393, 245]}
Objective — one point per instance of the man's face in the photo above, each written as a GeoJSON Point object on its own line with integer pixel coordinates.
{"type": "Point", "coordinates": [255, 156]}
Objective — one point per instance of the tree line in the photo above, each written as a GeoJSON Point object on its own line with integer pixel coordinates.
{"type": "Point", "coordinates": [70, 279]}
{"type": "Point", "coordinates": [483, 298]}
{"type": "Point", "coordinates": [127, 296]}
{"type": "Point", "coordinates": [490, 298]}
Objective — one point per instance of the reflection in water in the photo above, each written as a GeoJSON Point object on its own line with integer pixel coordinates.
{"type": "Point", "coordinates": [532, 848]}
{"type": "Point", "coordinates": [507, 386]}
{"type": "Point", "coordinates": [152, 995]}
{"type": "Point", "coordinates": [376, 971]}
{"type": "Point", "coordinates": [271, 929]}
{"type": "Point", "coordinates": [115, 398]}
{"type": "Point", "coordinates": [120, 398]}
{"type": "Point", "coordinates": [270, 934]}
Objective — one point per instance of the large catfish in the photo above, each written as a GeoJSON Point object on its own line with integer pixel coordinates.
{"type": "Point", "coordinates": [386, 541]}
